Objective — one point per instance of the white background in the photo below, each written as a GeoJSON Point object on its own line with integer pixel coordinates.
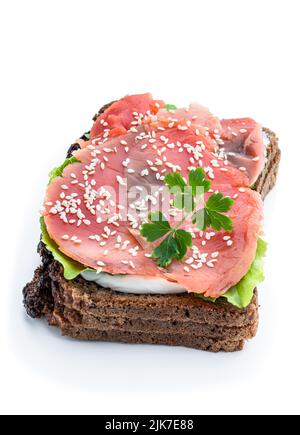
{"type": "Point", "coordinates": [62, 60]}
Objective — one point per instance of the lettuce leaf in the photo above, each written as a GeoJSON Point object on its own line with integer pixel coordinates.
{"type": "Point", "coordinates": [71, 268]}
{"type": "Point", "coordinates": [241, 294]}
{"type": "Point", "coordinates": [170, 107]}
{"type": "Point", "coordinates": [57, 172]}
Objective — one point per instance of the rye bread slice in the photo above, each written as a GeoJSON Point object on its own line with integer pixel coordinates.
{"type": "Point", "coordinates": [83, 310]}
{"type": "Point", "coordinates": [267, 179]}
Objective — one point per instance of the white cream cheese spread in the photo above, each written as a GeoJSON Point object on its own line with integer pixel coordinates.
{"type": "Point", "coordinates": [133, 283]}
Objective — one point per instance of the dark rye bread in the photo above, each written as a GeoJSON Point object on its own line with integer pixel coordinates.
{"type": "Point", "coordinates": [267, 179]}
{"type": "Point", "coordinates": [86, 311]}
{"type": "Point", "coordinates": [83, 310]}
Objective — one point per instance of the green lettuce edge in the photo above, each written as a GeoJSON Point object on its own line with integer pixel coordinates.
{"type": "Point", "coordinates": [170, 107]}
{"type": "Point", "coordinates": [241, 294]}
{"type": "Point", "coordinates": [57, 172]}
{"type": "Point", "coordinates": [71, 267]}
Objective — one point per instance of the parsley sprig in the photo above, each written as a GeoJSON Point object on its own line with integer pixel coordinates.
{"type": "Point", "coordinates": [176, 241]}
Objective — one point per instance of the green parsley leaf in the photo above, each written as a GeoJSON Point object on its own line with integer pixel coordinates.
{"type": "Point", "coordinates": [184, 241]}
{"type": "Point", "coordinates": [175, 180]}
{"type": "Point", "coordinates": [201, 219]}
{"type": "Point", "coordinates": [184, 200]}
{"type": "Point", "coordinates": [217, 221]}
{"type": "Point", "coordinates": [158, 227]}
{"type": "Point", "coordinates": [197, 179]}
{"type": "Point", "coordinates": [166, 252]}
{"type": "Point", "coordinates": [177, 241]}
{"type": "Point", "coordinates": [219, 203]}
{"type": "Point", "coordinates": [183, 194]}
{"type": "Point", "coordinates": [212, 215]}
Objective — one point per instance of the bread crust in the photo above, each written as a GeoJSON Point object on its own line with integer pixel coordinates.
{"type": "Point", "coordinates": [85, 311]}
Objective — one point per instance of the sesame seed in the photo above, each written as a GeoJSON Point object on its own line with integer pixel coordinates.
{"type": "Point", "coordinates": [229, 243]}
{"type": "Point", "coordinates": [144, 172]}
{"type": "Point", "coordinates": [65, 237]}
{"type": "Point", "coordinates": [100, 263]}
{"type": "Point", "coordinates": [121, 181]}
{"type": "Point", "coordinates": [189, 260]}
{"type": "Point", "coordinates": [186, 269]}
